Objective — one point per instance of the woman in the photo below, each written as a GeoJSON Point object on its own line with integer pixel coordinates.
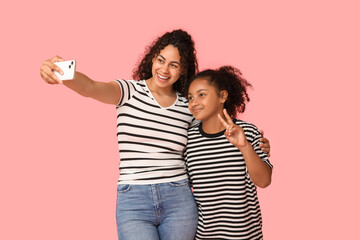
{"type": "Point", "coordinates": [154, 198]}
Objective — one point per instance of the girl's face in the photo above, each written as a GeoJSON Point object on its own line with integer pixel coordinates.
{"type": "Point", "coordinates": [204, 100]}
{"type": "Point", "coordinates": [166, 68]}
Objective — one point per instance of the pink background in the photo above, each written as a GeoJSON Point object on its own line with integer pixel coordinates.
{"type": "Point", "coordinates": [59, 156]}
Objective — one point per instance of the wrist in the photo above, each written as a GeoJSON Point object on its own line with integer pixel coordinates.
{"type": "Point", "coordinates": [244, 147]}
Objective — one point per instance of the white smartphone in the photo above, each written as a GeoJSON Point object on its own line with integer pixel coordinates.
{"type": "Point", "coordinates": [68, 68]}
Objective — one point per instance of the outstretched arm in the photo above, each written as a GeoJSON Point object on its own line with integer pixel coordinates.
{"type": "Point", "coordinates": [259, 171]}
{"type": "Point", "coordinates": [104, 92]}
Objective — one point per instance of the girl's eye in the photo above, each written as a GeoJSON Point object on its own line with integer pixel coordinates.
{"type": "Point", "coordinates": [202, 94]}
{"type": "Point", "coordinates": [174, 66]}
{"type": "Point", "coordinates": [160, 60]}
{"type": "Point", "coordinates": [190, 98]}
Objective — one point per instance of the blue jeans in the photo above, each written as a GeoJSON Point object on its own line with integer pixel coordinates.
{"type": "Point", "coordinates": [165, 211]}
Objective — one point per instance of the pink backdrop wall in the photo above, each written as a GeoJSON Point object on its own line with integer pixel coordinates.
{"type": "Point", "coordinates": [59, 157]}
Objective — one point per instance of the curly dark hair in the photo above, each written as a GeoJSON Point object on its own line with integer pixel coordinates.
{"type": "Point", "coordinates": [230, 79]}
{"type": "Point", "coordinates": [186, 46]}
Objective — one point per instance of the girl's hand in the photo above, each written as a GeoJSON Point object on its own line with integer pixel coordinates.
{"type": "Point", "coordinates": [234, 133]}
{"type": "Point", "coordinates": [46, 70]}
{"type": "Point", "coordinates": [265, 145]}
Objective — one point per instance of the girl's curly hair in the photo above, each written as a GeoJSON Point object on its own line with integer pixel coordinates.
{"type": "Point", "coordinates": [186, 46]}
{"type": "Point", "coordinates": [230, 79]}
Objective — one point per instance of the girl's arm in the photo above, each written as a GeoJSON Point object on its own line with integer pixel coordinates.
{"type": "Point", "coordinates": [259, 171]}
{"type": "Point", "coordinates": [104, 92]}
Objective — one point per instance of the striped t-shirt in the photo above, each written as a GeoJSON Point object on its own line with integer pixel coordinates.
{"type": "Point", "coordinates": [151, 138]}
{"type": "Point", "coordinates": [226, 197]}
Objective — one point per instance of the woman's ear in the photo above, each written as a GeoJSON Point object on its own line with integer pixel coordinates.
{"type": "Point", "coordinates": [154, 58]}
{"type": "Point", "coordinates": [223, 96]}
{"type": "Point", "coordinates": [183, 71]}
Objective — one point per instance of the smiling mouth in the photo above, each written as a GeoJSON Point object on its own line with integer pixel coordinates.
{"type": "Point", "coordinates": [196, 110]}
{"type": "Point", "coordinates": [162, 77]}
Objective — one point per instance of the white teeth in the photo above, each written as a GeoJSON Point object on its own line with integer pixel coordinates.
{"type": "Point", "coordinates": [162, 77]}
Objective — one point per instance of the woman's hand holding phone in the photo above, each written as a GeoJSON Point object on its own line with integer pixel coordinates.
{"type": "Point", "coordinates": [55, 70]}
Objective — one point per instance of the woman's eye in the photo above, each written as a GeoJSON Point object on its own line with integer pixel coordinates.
{"type": "Point", "coordinates": [160, 60]}
{"type": "Point", "coordinates": [190, 98]}
{"type": "Point", "coordinates": [174, 66]}
{"type": "Point", "coordinates": [202, 94]}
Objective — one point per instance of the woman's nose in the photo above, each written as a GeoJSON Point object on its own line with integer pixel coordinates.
{"type": "Point", "coordinates": [165, 68]}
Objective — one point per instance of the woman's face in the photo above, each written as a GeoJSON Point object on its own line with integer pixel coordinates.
{"type": "Point", "coordinates": [204, 100]}
{"type": "Point", "coordinates": [166, 68]}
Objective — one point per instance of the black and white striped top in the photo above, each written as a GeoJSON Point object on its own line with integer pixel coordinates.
{"type": "Point", "coordinates": [151, 138]}
{"type": "Point", "coordinates": [226, 197]}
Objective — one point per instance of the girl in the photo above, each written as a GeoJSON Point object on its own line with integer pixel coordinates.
{"type": "Point", "coordinates": [154, 199]}
{"type": "Point", "coordinates": [224, 160]}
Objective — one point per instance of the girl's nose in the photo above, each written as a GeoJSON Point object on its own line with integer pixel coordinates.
{"type": "Point", "coordinates": [194, 102]}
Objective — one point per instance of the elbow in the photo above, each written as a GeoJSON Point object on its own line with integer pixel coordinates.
{"type": "Point", "coordinates": [262, 179]}
{"type": "Point", "coordinates": [266, 180]}
{"type": "Point", "coordinates": [264, 184]}
{"type": "Point", "coordinates": [87, 91]}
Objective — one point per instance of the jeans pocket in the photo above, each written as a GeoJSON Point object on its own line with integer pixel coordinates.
{"type": "Point", "coordinates": [180, 183]}
{"type": "Point", "coordinates": [122, 188]}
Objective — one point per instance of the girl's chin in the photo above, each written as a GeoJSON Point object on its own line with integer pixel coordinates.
{"type": "Point", "coordinates": [197, 118]}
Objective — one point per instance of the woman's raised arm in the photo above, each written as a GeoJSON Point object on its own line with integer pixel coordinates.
{"type": "Point", "coordinates": [106, 92]}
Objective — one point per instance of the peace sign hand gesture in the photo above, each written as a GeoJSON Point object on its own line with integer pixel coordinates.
{"type": "Point", "coordinates": [234, 133]}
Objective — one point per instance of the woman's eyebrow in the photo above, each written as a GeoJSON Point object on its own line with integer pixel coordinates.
{"type": "Point", "coordinates": [165, 59]}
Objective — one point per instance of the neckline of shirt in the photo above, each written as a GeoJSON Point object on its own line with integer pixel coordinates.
{"type": "Point", "coordinates": [212, 135]}
{"type": "Point", "coordinates": [154, 99]}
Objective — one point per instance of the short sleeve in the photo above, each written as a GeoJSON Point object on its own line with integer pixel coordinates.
{"type": "Point", "coordinates": [126, 88]}
{"type": "Point", "coordinates": [254, 137]}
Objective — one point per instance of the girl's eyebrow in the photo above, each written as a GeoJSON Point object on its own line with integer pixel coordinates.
{"type": "Point", "coordinates": [165, 59]}
{"type": "Point", "coordinates": [197, 91]}
{"type": "Point", "coordinates": [201, 90]}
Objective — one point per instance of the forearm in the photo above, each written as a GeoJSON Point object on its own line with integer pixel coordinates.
{"type": "Point", "coordinates": [81, 84]}
{"type": "Point", "coordinates": [259, 171]}
{"type": "Point", "coordinates": [101, 91]}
